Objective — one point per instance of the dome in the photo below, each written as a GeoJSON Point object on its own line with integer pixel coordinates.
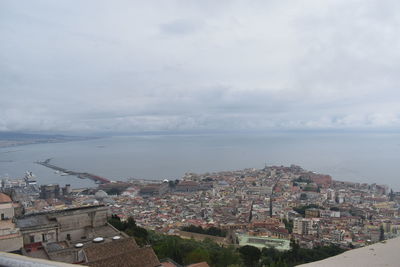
{"type": "Point", "coordinates": [100, 194]}
{"type": "Point", "coordinates": [4, 198]}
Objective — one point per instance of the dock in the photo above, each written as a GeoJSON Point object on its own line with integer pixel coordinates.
{"type": "Point", "coordinates": [82, 175]}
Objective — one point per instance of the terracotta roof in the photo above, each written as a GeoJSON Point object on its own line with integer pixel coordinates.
{"type": "Point", "coordinates": [121, 253]}
{"type": "Point", "coordinates": [106, 250]}
{"type": "Point", "coordinates": [142, 257]}
{"type": "Point", "coordinates": [167, 264]}
{"type": "Point", "coordinates": [200, 264]}
{"type": "Point", "coordinates": [4, 198]}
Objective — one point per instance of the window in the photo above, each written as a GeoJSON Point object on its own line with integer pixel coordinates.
{"type": "Point", "coordinates": [68, 237]}
{"type": "Point", "coordinates": [44, 237]}
{"type": "Point", "coordinates": [2, 217]}
{"type": "Point", "coordinates": [32, 238]}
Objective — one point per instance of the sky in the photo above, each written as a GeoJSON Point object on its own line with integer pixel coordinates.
{"type": "Point", "coordinates": [133, 66]}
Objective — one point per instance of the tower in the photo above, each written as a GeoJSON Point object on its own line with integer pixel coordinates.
{"type": "Point", "coordinates": [270, 207]}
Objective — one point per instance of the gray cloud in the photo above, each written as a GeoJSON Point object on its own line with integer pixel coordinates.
{"type": "Point", "coordinates": [180, 27]}
{"type": "Point", "coordinates": [198, 65]}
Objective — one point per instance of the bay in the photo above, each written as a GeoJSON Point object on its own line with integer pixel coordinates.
{"type": "Point", "coordinates": [372, 157]}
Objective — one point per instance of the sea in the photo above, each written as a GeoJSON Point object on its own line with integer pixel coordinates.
{"type": "Point", "coordinates": [356, 157]}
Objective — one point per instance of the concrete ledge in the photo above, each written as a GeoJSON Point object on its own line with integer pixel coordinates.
{"type": "Point", "coordinates": [14, 260]}
{"type": "Point", "coordinates": [379, 254]}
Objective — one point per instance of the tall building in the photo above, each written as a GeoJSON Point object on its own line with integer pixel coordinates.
{"type": "Point", "coordinates": [306, 226]}
{"type": "Point", "coordinates": [270, 207]}
{"type": "Point", "coordinates": [49, 191]}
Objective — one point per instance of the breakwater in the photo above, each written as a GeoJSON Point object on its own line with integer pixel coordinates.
{"type": "Point", "coordinates": [82, 175]}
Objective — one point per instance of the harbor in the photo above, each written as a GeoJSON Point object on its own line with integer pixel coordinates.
{"type": "Point", "coordinates": [83, 175]}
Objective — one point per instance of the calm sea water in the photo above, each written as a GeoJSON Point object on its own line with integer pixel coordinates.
{"type": "Point", "coordinates": [352, 157]}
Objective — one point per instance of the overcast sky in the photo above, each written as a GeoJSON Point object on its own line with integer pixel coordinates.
{"type": "Point", "coordinates": [129, 66]}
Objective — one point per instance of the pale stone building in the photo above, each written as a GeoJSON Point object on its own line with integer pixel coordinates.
{"type": "Point", "coordinates": [10, 236]}
{"type": "Point", "coordinates": [306, 226]}
{"type": "Point", "coordinates": [72, 224]}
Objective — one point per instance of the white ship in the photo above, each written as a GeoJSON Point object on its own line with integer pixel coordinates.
{"type": "Point", "coordinates": [30, 178]}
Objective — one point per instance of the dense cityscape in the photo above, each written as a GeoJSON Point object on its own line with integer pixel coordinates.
{"type": "Point", "coordinates": [269, 208]}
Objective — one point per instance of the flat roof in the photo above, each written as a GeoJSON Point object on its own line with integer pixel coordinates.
{"type": "Point", "coordinates": [32, 221]}
{"type": "Point", "coordinates": [45, 218]}
{"type": "Point", "coordinates": [264, 242]}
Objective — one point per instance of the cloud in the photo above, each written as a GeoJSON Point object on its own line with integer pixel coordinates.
{"type": "Point", "coordinates": [198, 65]}
{"type": "Point", "coordinates": [180, 27]}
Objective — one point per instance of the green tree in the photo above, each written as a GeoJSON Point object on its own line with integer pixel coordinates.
{"type": "Point", "coordinates": [114, 191]}
{"type": "Point", "coordinates": [197, 255]}
{"type": "Point", "coordinates": [169, 247]}
{"type": "Point", "coordinates": [130, 228]}
{"type": "Point", "coordinates": [381, 233]}
{"type": "Point", "coordinates": [184, 251]}
{"type": "Point", "coordinates": [250, 255]}
{"type": "Point", "coordinates": [208, 231]}
{"type": "Point", "coordinates": [288, 225]}
{"type": "Point", "coordinates": [116, 222]}
{"type": "Point", "coordinates": [297, 255]}
{"type": "Point", "coordinates": [221, 256]}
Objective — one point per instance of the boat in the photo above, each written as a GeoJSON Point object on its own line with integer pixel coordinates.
{"type": "Point", "coordinates": [30, 178]}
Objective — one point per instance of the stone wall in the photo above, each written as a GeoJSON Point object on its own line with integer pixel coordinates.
{"type": "Point", "coordinates": [72, 235]}
{"type": "Point", "coordinates": [7, 209]}
{"type": "Point", "coordinates": [73, 225]}
{"type": "Point", "coordinates": [11, 244]}
{"type": "Point", "coordinates": [83, 219]}
{"type": "Point", "coordinates": [48, 235]}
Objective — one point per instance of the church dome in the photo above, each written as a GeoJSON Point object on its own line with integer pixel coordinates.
{"type": "Point", "coordinates": [100, 194]}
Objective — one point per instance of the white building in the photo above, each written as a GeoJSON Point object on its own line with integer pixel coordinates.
{"type": "Point", "coordinates": [306, 226]}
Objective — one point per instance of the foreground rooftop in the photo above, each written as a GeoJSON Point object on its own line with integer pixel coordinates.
{"type": "Point", "coordinates": [379, 254]}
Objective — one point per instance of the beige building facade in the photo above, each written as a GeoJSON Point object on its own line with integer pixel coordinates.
{"type": "Point", "coordinates": [10, 235]}
{"type": "Point", "coordinates": [71, 224]}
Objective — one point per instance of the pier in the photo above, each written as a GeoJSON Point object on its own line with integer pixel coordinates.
{"type": "Point", "coordinates": [82, 175]}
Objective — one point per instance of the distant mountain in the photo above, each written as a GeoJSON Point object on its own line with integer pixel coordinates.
{"type": "Point", "coordinates": [16, 138]}
{"type": "Point", "coordinates": [27, 136]}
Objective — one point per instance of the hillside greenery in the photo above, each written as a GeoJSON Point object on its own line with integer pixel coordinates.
{"type": "Point", "coordinates": [205, 231]}
{"type": "Point", "coordinates": [273, 258]}
{"type": "Point", "coordinates": [188, 251]}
